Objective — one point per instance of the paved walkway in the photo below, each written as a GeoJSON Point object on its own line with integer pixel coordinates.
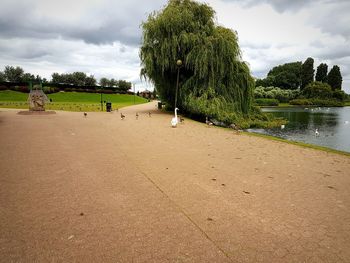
{"type": "Point", "coordinates": [99, 189]}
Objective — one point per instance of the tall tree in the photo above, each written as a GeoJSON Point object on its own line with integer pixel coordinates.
{"type": "Point", "coordinates": [13, 74]}
{"type": "Point", "coordinates": [57, 78]}
{"type": "Point", "coordinates": [334, 78]}
{"type": "Point", "coordinates": [124, 85]}
{"type": "Point", "coordinates": [2, 76]}
{"type": "Point", "coordinates": [26, 77]}
{"type": "Point", "coordinates": [285, 76]}
{"type": "Point", "coordinates": [90, 81]}
{"type": "Point", "coordinates": [104, 82]}
{"type": "Point", "coordinates": [307, 72]}
{"type": "Point", "coordinates": [321, 72]}
{"type": "Point", "coordinates": [78, 78]}
{"type": "Point", "coordinates": [212, 75]}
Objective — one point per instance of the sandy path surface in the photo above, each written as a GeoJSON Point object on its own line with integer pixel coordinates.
{"type": "Point", "coordinates": [102, 189]}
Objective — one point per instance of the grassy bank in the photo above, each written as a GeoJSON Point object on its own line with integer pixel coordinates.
{"type": "Point", "coordinates": [70, 101]}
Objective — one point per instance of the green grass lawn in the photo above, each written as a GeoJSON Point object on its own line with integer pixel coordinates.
{"type": "Point", "coordinates": [70, 101]}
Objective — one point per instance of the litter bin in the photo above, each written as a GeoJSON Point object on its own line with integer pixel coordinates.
{"type": "Point", "coordinates": [159, 105]}
{"type": "Point", "coordinates": [109, 106]}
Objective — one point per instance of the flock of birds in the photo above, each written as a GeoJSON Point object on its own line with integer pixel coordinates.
{"type": "Point", "coordinates": [174, 121]}
{"type": "Point", "coordinates": [122, 116]}
{"type": "Point", "coordinates": [317, 133]}
{"type": "Point", "coordinates": [179, 119]}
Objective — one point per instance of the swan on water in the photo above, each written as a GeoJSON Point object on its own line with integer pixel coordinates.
{"type": "Point", "coordinates": [317, 133]}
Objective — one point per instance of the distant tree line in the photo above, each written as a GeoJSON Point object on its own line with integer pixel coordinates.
{"type": "Point", "coordinates": [76, 81]}
{"type": "Point", "coordinates": [17, 74]}
{"type": "Point", "coordinates": [298, 84]}
{"type": "Point", "coordinates": [296, 75]}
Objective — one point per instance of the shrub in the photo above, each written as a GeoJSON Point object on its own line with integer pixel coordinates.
{"type": "Point", "coordinates": [318, 90]}
{"type": "Point", "coordinates": [339, 95]}
{"type": "Point", "coordinates": [266, 102]}
{"type": "Point", "coordinates": [305, 102]}
{"type": "Point", "coordinates": [317, 102]}
{"type": "Point", "coordinates": [327, 103]}
{"type": "Point", "coordinates": [281, 95]}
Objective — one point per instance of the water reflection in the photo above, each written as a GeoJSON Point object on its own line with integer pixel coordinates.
{"type": "Point", "coordinates": [333, 125]}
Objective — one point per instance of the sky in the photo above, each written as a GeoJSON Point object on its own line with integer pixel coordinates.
{"type": "Point", "coordinates": [102, 37]}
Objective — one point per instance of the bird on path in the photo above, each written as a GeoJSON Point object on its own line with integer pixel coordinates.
{"type": "Point", "coordinates": [85, 114]}
{"type": "Point", "coordinates": [137, 115]}
{"type": "Point", "coordinates": [149, 114]}
{"type": "Point", "coordinates": [122, 116]}
{"type": "Point", "coordinates": [174, 119]}
{"type": "Point", "coordinates": [208, 122]}
{"type": "Point", "coordinates": [182, 120]}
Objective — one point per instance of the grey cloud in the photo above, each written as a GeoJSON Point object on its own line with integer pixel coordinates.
{"type": "Point", "coordinates": [106, 23]}
{"type": "Point", "coordinates": [279, 5]}
{"type": "Point", "coordinates": [255, 45]}
{"type": "Point", "coordinates": [317, 44]}
{"type": "Point", "coordinates": [285, 5]}
{"type": "Point", "coordinates": [330, 16]}
{"type": "Point", "coordinates": [333, 54]}
{"type": "Point", "coordinates": [334, 19]}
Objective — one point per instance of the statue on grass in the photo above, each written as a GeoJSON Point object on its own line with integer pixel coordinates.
{"type": "Point", "coordinates": [37, 99]}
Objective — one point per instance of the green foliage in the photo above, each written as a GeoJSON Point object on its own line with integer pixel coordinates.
{"type": "Point", "coordinates": [318, 90]}
{"type": "Point", "coordinates": [317, 102]}
{"type": "Point", "coordinates": [334, 78]}
{"type": "Point", "coordinates": [321, 94]}
{"type": "Point", "coordinates": [286, 76]}
{"type": "Point", "coordinates": [321, 73]}
{"type": "Point", "coordinates": [124, 85]}
{"type": "Point", "coordinates": [104, 82]}
{"type": "Point", "coordinates": [266, 102]}
{"type": "Point", "coordinates": [75, 78]}
{"type": "Point", "coordinates": [282, 95]}
{"type": "Point", "coordinates": [48, 90]}
{"type": "Point", "coordinates": [304, 102]}
{"type": "Point", "coordinates": [347, 97]}
{"type": "Point", "coordinates": [2, 76]}
{"type": "Point", "coordinates": [307, 72]}
{"type": "Point", "coordinates": [113, 83]}
{"type": "Point", "coordinates": [339, 95]}
{"type": "Point", "coordinates": [213, 79]}
{"type": "Point", "coordinates": [13, 74]}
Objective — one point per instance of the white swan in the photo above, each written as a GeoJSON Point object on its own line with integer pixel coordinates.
{"type": "Point", "coordinates": [174, 120]}
{"type": "Point", "coordinates": [317, 133]}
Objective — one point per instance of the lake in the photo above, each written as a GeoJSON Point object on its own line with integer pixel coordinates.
{"type": "Point", "coordinates": [333, 125]}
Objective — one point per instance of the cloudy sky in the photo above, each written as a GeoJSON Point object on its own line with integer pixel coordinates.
{"type": "Point", "coordinates": [102, 37]}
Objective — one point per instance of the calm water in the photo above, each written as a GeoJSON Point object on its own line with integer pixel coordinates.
{"type": "Point", "coordinates": [333, 125]}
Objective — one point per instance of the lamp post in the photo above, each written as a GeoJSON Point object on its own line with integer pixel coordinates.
{"type": "Point", "coordinates": [179, 64]}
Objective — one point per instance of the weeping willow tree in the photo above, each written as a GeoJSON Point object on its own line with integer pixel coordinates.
{"type": "Point", "coordinates": [214, 80]}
